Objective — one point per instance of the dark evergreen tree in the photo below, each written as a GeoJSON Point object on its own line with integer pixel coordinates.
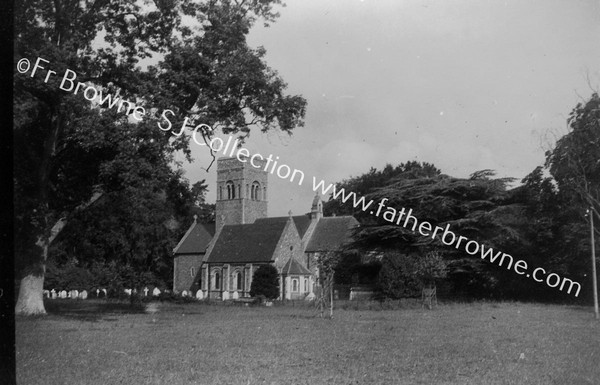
{"type": "Point", "coordinates": [265, 282]}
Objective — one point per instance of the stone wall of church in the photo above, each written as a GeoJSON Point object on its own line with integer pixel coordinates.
{"type": "Point", "coordinates": [289, 246]}
{"type": "Point", "coordinates": [186, 271]}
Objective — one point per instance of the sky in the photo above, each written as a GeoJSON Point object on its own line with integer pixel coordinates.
{"type": "Point", "coordinates": [465, 85]}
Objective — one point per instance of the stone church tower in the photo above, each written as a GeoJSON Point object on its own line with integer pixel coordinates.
{"type": "Point", "coordinates": [241, 191]}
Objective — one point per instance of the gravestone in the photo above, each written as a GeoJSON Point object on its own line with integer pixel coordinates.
{"type": "Point", "coordinates": [235, 295]}
{"type": "Point", "coordinates": [63, 294]}
{"type": "Point", "coordinates": [105, 293]}
{"type": "Point", "coordinates": [53, 294]}
{"type": "Point", "coordinates": [156, 292]}
{"type": "Point", "coordinates": [184, 293]}
{"type": "Point", "coordinates": [199, 294]}
{"type": "Point", "coordinates": [310, 297]}
{"type": "Point", "coordinates": [46, 293]}
{"type": "Point", "coordinates": [146, 290]}
{"type": "Point", "coordinates": [225, 295]}
{"type": "Point", "coordinates": [128, 291]}
{"type": "Point", "coordinates": [83, 294]}
{"type": "Point", "coordinates": [97, 293]}
{"type": "Point", "coordinates": [73, 294]}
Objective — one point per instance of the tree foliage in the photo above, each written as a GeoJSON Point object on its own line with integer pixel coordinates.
{"type": "Point", "coordinates": [575, 161]}
{"type": "Point", "coordinates": [373, 180]}
{"type": "Point", "coordinates": [68, 150]}
{"type": "Point", "coordinates": [265, 282]}
{"type": "Point", "coordinates": [404, 275]}
{"type": "Point", "coordinates": [557, 197]}
{"type": "Point", "coordinates": [396, 277]}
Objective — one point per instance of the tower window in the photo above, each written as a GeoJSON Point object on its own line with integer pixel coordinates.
{"type": "Point", "coordinates": [255, 191]}
{"type": "Point", "coordinates": [230, 190]}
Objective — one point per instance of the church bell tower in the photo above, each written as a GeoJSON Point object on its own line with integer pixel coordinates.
{"type": "Point", "coordinates": [241, 191]}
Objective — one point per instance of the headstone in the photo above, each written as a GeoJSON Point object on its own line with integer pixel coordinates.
{"type": "Point", "coordinates": [235, 295]}
{"type": "Point", "coordinates": [105, 293]}
{"type": "Point", "coordinates": [73, 294]}
{"type": "Point", "coordinates": [63, 294]}
{"type": "Point", "coordinates": [184, 293]}
{"type": "Point", "coordinates": [53, 294]}
{"type": "Point", "coordinates": [146, 290]}
{"type": "Point", "coordinates": [310, 297]}
{"type": "Point", "coordinates": [83, 294]}
{"type": "Point", "coordinates": [47, 293]}
{"type": "Point", "coordinates": [225, 295]}
{"type": "Point", "coordinates": [97, 293]}
{"type": "Point", "coordinates": [156, 292]}
{"type": "Point", "coordinates": [128, 291]}
{"type": "Point", "coordinates": [199, 294]}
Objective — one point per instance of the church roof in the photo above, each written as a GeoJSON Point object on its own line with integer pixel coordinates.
{"type": "Point", "coordinates": [293, 267]}
{"type": "Point", "coordinates": [196, 239]}
{"type": "Point", "coordinates": [248, 243]}
{"type": "Point", "coordinates": [331, 233]}
{"type": "Point", "coordinates": [301, 221]}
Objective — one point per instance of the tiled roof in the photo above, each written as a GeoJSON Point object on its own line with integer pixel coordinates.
{"type": "Point", "coordinates": [330, 233]}
{"type": "Point", "coordinates": [301, 221]}
{"type": "Point", "coordinates": [196, 239]}
{"type": "Point", "coordinates": [293, 267]}
{"type": "Point", "coordinates": [248, 243]}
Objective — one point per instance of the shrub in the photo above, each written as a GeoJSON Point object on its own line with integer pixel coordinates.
{"type": "Point", "coordinates": [396, 277]}
{"type": "Point", "coordinates": [265, 281]}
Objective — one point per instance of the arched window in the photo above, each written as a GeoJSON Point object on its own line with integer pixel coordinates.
{"type": "Point", "coordinates": [237, 281]}
{"type": "Point", "coordinates": [220, 192]}
{"type": "Point", "coordinates": [216, 281]}
{"type": "Point", "coordinates": [255, 192]}
{"type": "Point", "coordinates": [230, 190]}
{"type": "Point", "coordinates": [305, 285]}
{"type": "Point", "coordinates": [294, 285]}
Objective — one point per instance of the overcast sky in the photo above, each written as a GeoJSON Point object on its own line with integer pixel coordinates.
{"type": "Point", "coordinates": [465, 85]}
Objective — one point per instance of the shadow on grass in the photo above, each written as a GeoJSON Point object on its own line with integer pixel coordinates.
{"type": "Point", "coordinates": [92, 310]}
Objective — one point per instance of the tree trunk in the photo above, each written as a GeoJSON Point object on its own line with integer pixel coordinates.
{"type": "Point", "coordinates": [31, 290]}
{"type": "Point", "coordinates": [31, 297]}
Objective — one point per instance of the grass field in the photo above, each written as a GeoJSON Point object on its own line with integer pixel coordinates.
{"type": "Point", "coordinates": [478, 343]}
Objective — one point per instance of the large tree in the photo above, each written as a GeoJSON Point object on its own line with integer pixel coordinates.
{"type": "Point", "coordinates": [72, 155]}
{"type": "Point", "coordinates": [480, 207]}
{"type": "Point", "coordinates": [558, 196]}
{"type": "Point", "coordinates": [575, 161]}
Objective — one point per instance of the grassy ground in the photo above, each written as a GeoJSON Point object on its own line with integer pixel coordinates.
{"type": "Point", "coordinates": [480, 343]}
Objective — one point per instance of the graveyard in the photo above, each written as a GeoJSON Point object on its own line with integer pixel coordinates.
{"type": "Point", "coordinates": [97, 341]}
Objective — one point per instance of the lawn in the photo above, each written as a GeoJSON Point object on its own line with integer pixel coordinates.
{"type": "Point", "coordinates": [94, 342]}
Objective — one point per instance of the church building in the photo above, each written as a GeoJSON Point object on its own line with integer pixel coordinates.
{"type": "Point", "coordinates": [218, 260]}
